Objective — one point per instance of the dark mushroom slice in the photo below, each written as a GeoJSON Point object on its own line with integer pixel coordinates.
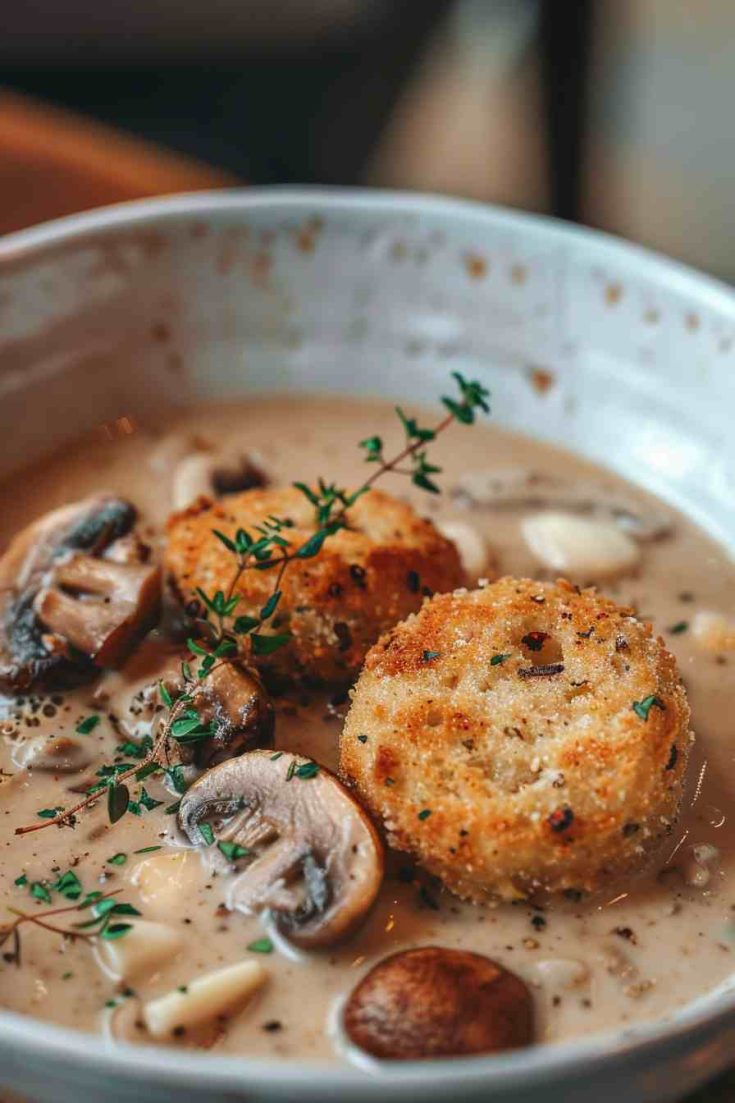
{"type": "Point", "coordinates": [313, 858]}
{"type": "Point", "coordinates": [231, 701]}
{"type": "Point", "coordinates": [435, 1002]}
{"type": "Point", "coordinates": [76, 591]}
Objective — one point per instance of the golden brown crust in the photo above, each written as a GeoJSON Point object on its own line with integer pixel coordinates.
{"type": "Point", "coordinates": [494, 736]}
{"type": "Point", "coordinates": [336, 604]}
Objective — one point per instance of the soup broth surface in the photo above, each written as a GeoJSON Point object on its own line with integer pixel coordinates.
{"type": "Point", "coordinates": [636, 953]}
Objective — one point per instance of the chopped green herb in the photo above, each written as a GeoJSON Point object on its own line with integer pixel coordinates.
{"type": "Point", "coordinates": [183, 988]}
{"type": "Point", "coordinates": [20, 881]}
{"type": "Point", "coordinates": [500, 658]}
{"type": "Point", "coordinates": [233, 851]}
{"type": "Point", "coordinates": [428, 656]}
{"type": "Point", "coordinates": [68, 885]}
{"type": "Point", "coordinates": [642, 708]}
{"type": "Point", "coordinates": [118, 859]}
{"type": "Point", "coordinates": [276, 756]}
{"type": "Point", "coordinates": [424, 813]}
{"type": "Point", "coordinates": [48, 813]}
{"type": "Point", "coordinates": [307, 770]}
{"type": "Point", "coordinates": [679, 627]}
{"type": "Point", "coordinates": [118, 799]}
{"type": "Point", "coordinates": [147, 849]}
{"type": "Point", "coordinates": [39, 891]}
{"type": "Point", "coordinates": [87, 725]}
{"type": "Point", "coordinates": [291, 769]}
{"type": "Point", "coordinates": [67, 975]}
{"type": "Point", "coordinates": [362, 739]}
{"type": "Point", "coordinates": [206, 832]}
{"type": "Point", "coordinates": [172, 809]}
{"type": "Point", "coordinates": [261, 946]}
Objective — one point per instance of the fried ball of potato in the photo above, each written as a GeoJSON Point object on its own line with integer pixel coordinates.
{"type": "Point", "coordinates": [365, 578]}
{"type": "Point", "coordinates": [522, 738]}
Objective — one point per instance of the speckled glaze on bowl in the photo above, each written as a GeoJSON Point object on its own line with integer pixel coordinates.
{"type": "Point", "coordinates": [622, 356]}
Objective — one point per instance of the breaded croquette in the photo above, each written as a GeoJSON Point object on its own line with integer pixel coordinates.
{"type": "Point", "coordinates": [522, 738]}
{"type": "Point", "coordinates": [366, 577]}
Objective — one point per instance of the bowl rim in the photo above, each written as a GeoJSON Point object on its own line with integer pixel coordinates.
{"type": "Point", "coordinates": [545, 1064]}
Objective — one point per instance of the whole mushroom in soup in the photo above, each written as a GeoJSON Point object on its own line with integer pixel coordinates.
{"type": "Point", "coordinates": [77, 590]}
{"type": "Point", "coordinates": [434, 1002]}
{"type": "Point", "coordinates": [308, 853]}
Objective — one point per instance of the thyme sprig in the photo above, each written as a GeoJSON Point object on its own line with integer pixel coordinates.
{"type": "Point", "coordinates": [225, 635]}
{"type": "Point", "coordinates": [103, 924]}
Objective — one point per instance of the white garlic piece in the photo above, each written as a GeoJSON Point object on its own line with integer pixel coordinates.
{"type": "Point", "coordinates": [472, 547]}
{"type": "Point", "coordinates": [140, 951]}
{"type": "Point", "coordinates": [164, 880]}
{"type": "Point", "coordinates": [213, 994]}
{"type": "Point", "coordinates": [579, 546]}
{"type": "Point", "coordinates": [192, 479]}
{"type": "Point", "coordinates": [713, 632]}
{"type": "Point", "coordinates": [566, 973]}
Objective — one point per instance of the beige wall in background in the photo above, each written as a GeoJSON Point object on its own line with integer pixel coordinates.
{"type": "Point", "coordinates": [469, 121]}
{"type": "Point", "coordinates": [660, 166]}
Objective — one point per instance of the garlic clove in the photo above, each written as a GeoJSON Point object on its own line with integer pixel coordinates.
{"type": "Point", "coordinates": [165, 879]}
{"type": "Point", "coordinates": [566, 973]}
{"type": "Point", "coordinates": [579, 546]}
{"type": "Point", "coordinates": [712, 631]}
{"type": "Point", "coordinates": [141, 951]}
{"type": "Point", "coordinates": [204, 999]}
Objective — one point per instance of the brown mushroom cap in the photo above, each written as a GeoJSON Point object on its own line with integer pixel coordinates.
{"type": "Point", "coordinates": [76, 590]}
{"type": "Point", "coordinates": [315, 861]}
{"type": "Point", "coordinates": [231, 699]}
{"type": "Point", "coordinates": [434, 1002]}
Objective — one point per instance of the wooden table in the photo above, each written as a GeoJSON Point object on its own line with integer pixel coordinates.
{"type": "Point", "coordinates": [54, 163]}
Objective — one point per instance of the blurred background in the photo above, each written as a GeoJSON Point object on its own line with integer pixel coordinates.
{"type": "Point", "coordinates": [614, 113]}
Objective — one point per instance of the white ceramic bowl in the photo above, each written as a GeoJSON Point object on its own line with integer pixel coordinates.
{"type": "Point", "coordinates": [106, 314]}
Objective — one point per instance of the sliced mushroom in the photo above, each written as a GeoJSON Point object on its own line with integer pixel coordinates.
{"type": "Point", "coordinates": [434, 1002]}
{"type": "Point", "coordinates": [311, 858]}
{"type": "Point", "coordinates": [232, 700]}
{"type": "Point", "coordinates": [76, 591]}
{"type": "Point", "coordinates": [214, 475]}
{"type": "Point", "coordinates": [235, 702]}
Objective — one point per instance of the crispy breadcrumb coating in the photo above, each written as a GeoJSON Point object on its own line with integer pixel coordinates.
{"type": "Point", "coordinates": [525, 737]}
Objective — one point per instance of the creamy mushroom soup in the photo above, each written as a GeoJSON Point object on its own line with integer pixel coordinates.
{"type": "Point", "coordinates": [637, 951]}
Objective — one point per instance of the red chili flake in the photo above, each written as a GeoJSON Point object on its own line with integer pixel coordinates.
{"type": "Point", "coordinates": [673, 757]}
{"type": "Point", "coordinates": [534, 641]}
{"type": "Point", "coordinates": [546, 670]}
{"type": "Point", "coordinates": [561, 819]}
